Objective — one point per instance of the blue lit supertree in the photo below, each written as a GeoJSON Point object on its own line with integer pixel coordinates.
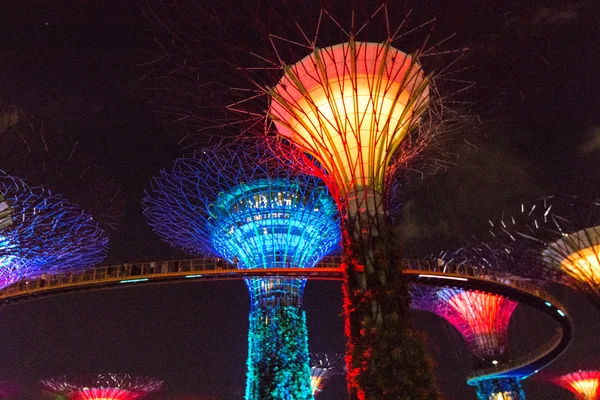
{"type": "Point", "coordinates": [238, 203]}
{"type": "Point", "coordinates": [42, 233]}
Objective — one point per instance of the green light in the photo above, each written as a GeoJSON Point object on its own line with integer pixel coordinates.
{"type": "Point", "coordinates": [134, 280]}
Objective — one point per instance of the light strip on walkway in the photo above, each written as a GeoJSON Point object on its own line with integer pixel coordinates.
{"type": "Point", "coordinates": [194, 276]}
{"type": "Point", "coordinates": [562, 314]}
{"type": "Point", "coordinates": [443, 277]}
{"type": "Point", "coordinates": [134, 280]}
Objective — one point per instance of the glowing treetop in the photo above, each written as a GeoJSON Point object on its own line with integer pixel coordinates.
{"type": "Point", "coordinates": [584, 384]}
{"type": "Point", "coordinates": [482, 319]}
{"type": "Point", "coordinates": [564, 234]}
{"type": "Point", "coordinates": [245, 207]}
{"type": "Point", "coordinates": [43, 233]}
{"type": "Point", "coordinates": [103, 387]}
{"type": "Point", "coordinates": [350, 105]}
{"type": "Point", "coordinates": [323, 367]}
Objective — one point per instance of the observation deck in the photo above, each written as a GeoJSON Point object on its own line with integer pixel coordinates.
{"type": "Point", "coordinates": [417, 271]}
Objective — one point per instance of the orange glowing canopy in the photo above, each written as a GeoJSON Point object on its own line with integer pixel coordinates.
{"type": "Point", "coordinates": [350, 105]}
{"type": "Point", "coordinates": [578, 254]}
{"type": "Point", "coordinates": [584, 384]}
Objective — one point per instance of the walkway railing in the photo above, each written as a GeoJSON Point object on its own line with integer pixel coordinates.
{"type": "Point", "coordinates": [329, 267]}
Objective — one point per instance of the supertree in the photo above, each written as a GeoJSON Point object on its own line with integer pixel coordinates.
{"type": "Point", "coordinates": [561, 238]}
{"type": "Point", "coordinates": [241, 205]}
{"type": "Point", "coordinates": [358, 109]}
{"type": "Point", "coordinates": [584, 384]}
{"type": "Point", "coordinates": [43, 233]}
{"type": "Point", "coordinates": [482, 319]}
{"type": "Point", "coordinates": [322, 367]}
{"type": "Point", "coordinates": [102, 387]}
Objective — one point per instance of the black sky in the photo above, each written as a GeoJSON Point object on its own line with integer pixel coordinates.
{"type": "Point", "coordinates": [74, 64]}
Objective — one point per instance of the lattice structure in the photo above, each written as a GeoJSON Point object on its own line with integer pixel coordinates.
{"type": "Point", "coordinates": [103, 387]}
{"type": "Point", "coordinates": [584, 384]}
{"type": "Point", "coordinates": [563, 236]}
{"type": "Point", "coordinates": [43, 233]}
{"type": "Point", "coordinates": [482, 319]}
{"type": "Point", "coordinates": [323, 367]}
{"type": "Point", "coordinates": [239, 204]}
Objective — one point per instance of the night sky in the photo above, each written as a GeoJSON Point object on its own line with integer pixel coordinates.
{"type": "Point", "coordinates": [74, 65]}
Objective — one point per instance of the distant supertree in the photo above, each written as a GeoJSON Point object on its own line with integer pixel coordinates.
{"type": "Point", "coordinates": [102, 387]}
{"type": "Point", "coordinates": [322, 367]}
{"type": "Point", "coordinates": [241, 205]}
{"type": "Point", "coordinates": [482, 319]}
{"type": "Point", "coordinates": [584, 384]}
{"type": "Point", "coordinates": [561, 238]}
{"type": "Point", "coordinates": [43, 233]}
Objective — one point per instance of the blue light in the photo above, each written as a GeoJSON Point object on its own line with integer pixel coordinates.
{"type": "Point", "coordinates": [193, 276]}
{"type": "Point", "coordinates": [246, 208]}
{"type": "Point", "coordinates": [500, 388]}
{"type": "Point", "coordinates": [562, 314]}
{"type": "Point", "coordinates": [42, 233]}
{"type": "Point", "coordinates": [548, 304]}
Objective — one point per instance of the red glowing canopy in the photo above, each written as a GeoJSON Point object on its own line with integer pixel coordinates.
{"type": "Point", "coordinates": [584, 384]}
{"type": "Point", "coordinates": [482, 318]}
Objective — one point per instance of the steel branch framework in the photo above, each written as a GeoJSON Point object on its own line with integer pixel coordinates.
{"type": "Point", "coordinates": [43, 233]}
{"type": "Point", "coordinates": [562, 240]}
{"type": "Point", "coordinates": [584, 384]}
{"type": "Point", "coordinates": [241, 205]}
{"type": "Point", "coordinates": [103, 387]}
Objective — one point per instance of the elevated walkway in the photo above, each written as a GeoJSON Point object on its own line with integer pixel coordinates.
{"type": "Point", "coordinates": [417, 271]}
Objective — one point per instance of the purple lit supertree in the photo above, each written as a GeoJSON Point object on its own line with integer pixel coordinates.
{"type": "Point", "coordinates": [241, 205]}
{"type": "Point", "coordinates": [558, 239]}
{"type": "Point", "coordinates": [43, 233]}
{"type": "Point", "coordinates": [102, 387]}
{"type": "Point", "coordinates": [322, 367]}
{"type": "Point", "coordinates": [482, 318]}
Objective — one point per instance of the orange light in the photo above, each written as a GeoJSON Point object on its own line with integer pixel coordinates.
{"type": "Point", "coordinates": [315, 384]}
{"type": "Point", "coordinates": [502, 396]}
{"type": "Point", "coordinates": [350, 105]}
{"type": "Point", "coordinates": [584, 384]}
{"type": "Point", "coordinates": [578, 254]}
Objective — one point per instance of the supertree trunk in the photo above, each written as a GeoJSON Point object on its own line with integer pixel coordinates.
{"type": "Point", "coordinates": [278, 358]}
{"type": "Point", "coordinates": [383, 349]}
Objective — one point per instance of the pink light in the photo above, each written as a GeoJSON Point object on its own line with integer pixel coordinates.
{"type": "Point", "coordinates": [482, 318]}
{"type": "Point", "coordinates": [584, 384]}
{"type": "Point", "coordinates": [106, 394]}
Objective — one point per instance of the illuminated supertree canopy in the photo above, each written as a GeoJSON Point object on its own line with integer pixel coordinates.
{"type": "Point", "coordinates": [322, 367]}
{"type": "Point", "coordinates": [241, 205]}
{"type": "Point", "coordinates": [356, 108]}
{"type": "Point", "coordinates": [482, 319]}
{"type": "Point", "coordinates": [43, 233]}
{"type": "Point", "coordinates": [584, 384]}
{"type": "Point", "coordinates": [103, 387]}
{"type": "Point", "coordinates": [562, 235]}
